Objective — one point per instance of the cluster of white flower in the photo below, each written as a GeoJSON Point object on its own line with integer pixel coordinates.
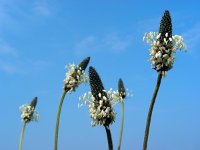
{"type": "Point", "coordinates": [161, 53]}
{"type": "Point", "coordinates": [101, 110]}
{"type": "Point", "coordinates": [74, 77]}
{"type": "Point", "coordinates": [28, 113]}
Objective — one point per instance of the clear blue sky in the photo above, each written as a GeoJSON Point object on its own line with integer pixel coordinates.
{"type": "Point", "coordinates": [38, 38]}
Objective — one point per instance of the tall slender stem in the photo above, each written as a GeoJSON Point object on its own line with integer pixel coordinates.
{"type": "Point", "coordinates": [58, 120]}
{"type": "Point", "coordinates": [22, 136]}
{"type": "Point", "coordinates": [151, 110]}
{"type": "Point", "coordinates": [109, 138]}
{"type": "Point", "coordinates": [121, 127]}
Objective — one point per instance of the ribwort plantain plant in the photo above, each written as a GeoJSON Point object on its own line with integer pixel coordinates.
{"type": "Point", "coordinates": [101, 104]}
{"type": "Point", "coordinates": [163, 47]}
{"type": "Point", "coordinates": [122, 95]}
{"type": "Point", "coordinates": [101, 109]}
{"type": "Point", "coordinates": [28, 114]}
{"type": "Point", "coordinates": [74, 77]}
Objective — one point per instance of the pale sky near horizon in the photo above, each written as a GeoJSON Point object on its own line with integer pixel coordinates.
{"type": "Point", "coordinates": [39, 37]}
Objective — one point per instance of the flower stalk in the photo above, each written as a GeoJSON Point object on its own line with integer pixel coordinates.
{"type": "Point", "coordinates": [58, 120]}
{"type": "Point", "coordinates": [121, 127]}
{"type": "Point", "coordinates": [109, 137]}
{"type": "Point", "coordinates": [148, 122]}
{"type": "Point", "coordinates": [22, 136]}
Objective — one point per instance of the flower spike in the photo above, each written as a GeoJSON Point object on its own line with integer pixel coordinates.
{"type": "Point", "coordinates": [165, 26]}
{"type": "Point", "coordinates": [163, 45]}
{"type": "Point", "coordinates": [121, 89]}
{"type": "Point", "coordinates": [101, 108]}
{"type": "Point", "coordinates": [33, 102]}
{"type": "Point", "coordinates": [96, 84]}
{"type": "Point", "coordinates": [75, 75]}
{"type": "Point", "coordinates": [28, 112]}
{"type": "Point", "coordinates": [83, 65]}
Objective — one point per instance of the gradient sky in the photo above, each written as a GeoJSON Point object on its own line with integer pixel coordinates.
{"type": "Point", "coordinates": [38, 38]}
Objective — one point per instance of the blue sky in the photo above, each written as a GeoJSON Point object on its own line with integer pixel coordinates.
{"type": "Point", "coordinates": [38, 38]}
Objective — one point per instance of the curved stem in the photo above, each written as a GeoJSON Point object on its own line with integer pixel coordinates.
{"type": "Point", "coordinates": [121, 127]}
{"type": "Point", "coordinates": [151, 110]}
{"type": "Point", "coordinates": [22, 136]}
{"type": "Point", "coordinates": [109, 138]}
{"type": "Point", "coordinates": [58, 120]}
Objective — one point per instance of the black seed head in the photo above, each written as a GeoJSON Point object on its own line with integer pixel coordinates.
{"type": "Point", "coordinates": [84, 63]}
{"type": "Point", "coordinates": [165, 25]}
{"type": "Point", "coordinates": [33, 102]}
{"type": "Point", "coordinates": [95, 84]}
{"type": "Point", "coordinates": [121, 89]}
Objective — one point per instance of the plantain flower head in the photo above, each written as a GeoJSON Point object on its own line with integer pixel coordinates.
{"type": "Point", "coordinates": [28, 112]}
{"type": "Point", "coordinates": [163, 45]}
{"type": "Point", "coordinates": [99, 101]}
{"type": "Point", "coordinates": [75, 75]}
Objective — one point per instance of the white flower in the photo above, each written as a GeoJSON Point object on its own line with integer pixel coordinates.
{"type": "Point", "coordinates": [162, 53]}
{"type": "Point", "coordinates": [102, 110]}
{"type": "Point", "coordinates": [74, 77]}
{"type": "Point", "coordinates": [28, 113]}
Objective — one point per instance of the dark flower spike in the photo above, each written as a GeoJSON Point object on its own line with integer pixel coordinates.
{"type": "Point", "coordinates": [163, 45]}
{"type": "Point", "coordinates": [84, 63]}
{"type": "Point", "coordinates": [165, 26]}
{"type": "Point", "coordinates": [121, 89]}
{"type": "Point", "coordinates": [95, 84]}
{"type": "Point", "coordinates": [33, 103]}
{"type": "Point", "coordinates": [101, 108]}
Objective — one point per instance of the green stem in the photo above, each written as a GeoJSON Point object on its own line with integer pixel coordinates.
{"type": "Point", "coordinates": [109, 138]}
{"type": "Point", "coordinates": [151, 110]}
{"type": "Point", "coordinates": [22, 136]}
{"type": "Point", "coordinates": [121, 127]}
{"type": "Point", "coordinates": [58, 120]}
